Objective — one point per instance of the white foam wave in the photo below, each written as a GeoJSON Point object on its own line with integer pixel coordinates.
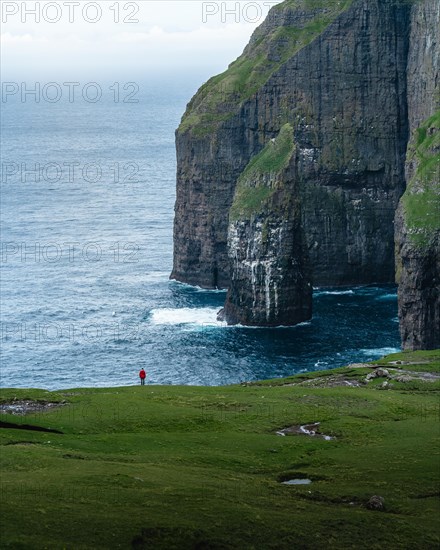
{"type": "Point", "coordinates": [334, 292]}
{"type": "Point", "coordinates": [157, 276]}
{"type": "Point", "coordinates": [202, 317]}
{"type": "Point", "coordinates": [380, 351]}
{"type": "Point", "coordinates": [206, 316]}
{"type": "Point", "coordinates": [276, 327]}
{"type": "Point", "coordinates": [390, 296]}
{"type": "Point", "coordinates": [197, 288]}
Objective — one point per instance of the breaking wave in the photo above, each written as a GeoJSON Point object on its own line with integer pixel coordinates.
{"type": "Point", "coordinates": [333, 292]}
{"type": "Point", "coordinates": [206, 316]}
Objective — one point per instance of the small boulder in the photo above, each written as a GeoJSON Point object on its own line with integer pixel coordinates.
{"type": "Point", "coordinates": [382, 373]}
{"type": "Point", "coordinates": [403, 378]}
{"type": "Point", "coordinates": [376, 503]}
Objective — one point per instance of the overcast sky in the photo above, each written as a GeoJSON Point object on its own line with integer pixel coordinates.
{"type": "Point", "coordinates": [109, 38]}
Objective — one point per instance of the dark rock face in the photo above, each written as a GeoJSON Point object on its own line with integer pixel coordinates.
{"type": "Point", "coordinates": [417, 221]}
{"type": "Point", "coordinates": [270, 283]}
{"type": "Point", "coordinates": [349, 154]}
{"type": "Point", "coordinates": [207, 169]}
{"type": "Point", "coordinates": [336, 74]}
{"type": "Point", "coordinates": [423, 62]}
{"type": "Point", "coordinates": [418, 242]}
{"type": "Point", "coordinates": [418, 294]}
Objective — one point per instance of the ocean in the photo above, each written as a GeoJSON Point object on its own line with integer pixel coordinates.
{"type": "Point", "coordinates": [88, 192]}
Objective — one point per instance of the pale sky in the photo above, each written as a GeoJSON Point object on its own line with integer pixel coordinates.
{"type": "Point", "coordinates": [75, 38]}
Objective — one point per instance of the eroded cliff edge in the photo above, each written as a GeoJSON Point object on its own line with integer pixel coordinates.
{"type": "Point", "coordinates": [334, 76]}
{"type": "Point", "coordinates": [418, 216]}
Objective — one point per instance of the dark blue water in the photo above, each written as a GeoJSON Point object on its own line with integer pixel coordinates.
{"type": "Point", "coordinates": [87, 251]}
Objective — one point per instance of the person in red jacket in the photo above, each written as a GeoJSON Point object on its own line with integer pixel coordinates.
{"type": "Point", "coordinates": [142, 376]}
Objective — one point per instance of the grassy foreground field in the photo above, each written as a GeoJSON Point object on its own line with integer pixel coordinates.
{"type": "Point", "coordinates": [173, 467]}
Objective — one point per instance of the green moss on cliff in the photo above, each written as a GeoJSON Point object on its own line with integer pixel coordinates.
{"type": "Point", "coordinates": [258, 181]}
{"type": "Point", "coordinates": [421, 201]}
{"type": "Point", "coordinates": [269, 49]}
{"type": "Point", "coordinates": [273, 158]}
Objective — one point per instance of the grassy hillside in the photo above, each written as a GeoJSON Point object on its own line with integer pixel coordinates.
{"type": "Point", "coordinates": [200, 467]}
{"type": "Point", "coordinates": [271, 46]}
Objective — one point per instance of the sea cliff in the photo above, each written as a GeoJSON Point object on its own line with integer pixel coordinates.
{"type": "Point", "coordinates": [292, 163]}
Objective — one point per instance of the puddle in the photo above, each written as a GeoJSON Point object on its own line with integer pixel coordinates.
{"type": "Point", "coordinates": [306, 429]}
{"type": "Point", "coordinates": [297, 482]}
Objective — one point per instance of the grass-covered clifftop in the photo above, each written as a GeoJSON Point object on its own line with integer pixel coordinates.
{"type": "Point", "coordinates": [260, 179]}
{"type": "Point", "coordinates": [421, 201]}
{"type": "Point", "coordinates": [271, 45]}
{"type": "Point", "coordinates": [172, 467]}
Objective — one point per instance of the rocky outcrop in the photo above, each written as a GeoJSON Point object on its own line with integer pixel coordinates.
{"type": "Point", "coordinates": [418, 216]}
{"type": "Point", "coordinates": [329, 78]}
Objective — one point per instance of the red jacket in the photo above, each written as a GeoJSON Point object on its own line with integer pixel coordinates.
{"type": "Point", "coordinates": [142, 374]}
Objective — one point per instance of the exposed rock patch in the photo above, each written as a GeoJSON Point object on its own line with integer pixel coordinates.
{"type": "Point", "coordinates": [402, 375]}
{"type": "Point", "coordinates": [311, 430]}
{"type": "Point", "coordinates": [378, 373]}
{"type": "Point", "coordinates": [21, 408]}
{"type": "Point", "coordinates": [376, 502]}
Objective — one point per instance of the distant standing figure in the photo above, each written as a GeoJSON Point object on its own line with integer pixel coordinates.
{"type": "Point", "coordinates": [142, 376]}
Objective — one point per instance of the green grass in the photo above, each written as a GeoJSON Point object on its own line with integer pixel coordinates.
{"type": "Point", "coordinates": [273, 158]}
{"type": "Point", "coordinates": [426, 361]}
{"type": "Point", "coordinates": [221, 97]}
{"type": "Point", "coordinates": [421, 201]}
{"type": "Point", "coordinates": [199, 467]}
{"type": "Point", "coordinates": [258, 181]}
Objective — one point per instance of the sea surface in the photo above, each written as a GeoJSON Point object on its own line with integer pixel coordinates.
{"type": "Point", "coordinates": [88, 194]}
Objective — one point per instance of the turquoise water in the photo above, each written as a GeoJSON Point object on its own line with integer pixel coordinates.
{"type": "Point", "coordinates": [87, 252]}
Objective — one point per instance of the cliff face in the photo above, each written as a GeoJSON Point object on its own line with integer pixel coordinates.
{"type": "Point", "coordinates": [267, 220]}
{"type": "Point", "coordinates": [349, 156]}
{"type": "Point", "coordinates": [418, 216]}
{"type": "Point", "coordinates": [323, 67]}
